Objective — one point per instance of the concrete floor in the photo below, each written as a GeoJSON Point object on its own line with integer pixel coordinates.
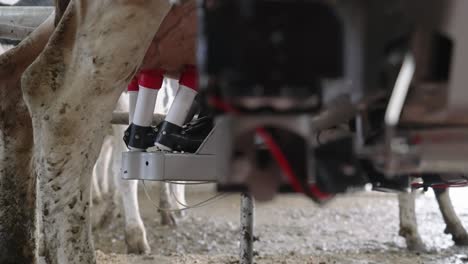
{"type": "Point", "coordinates": [357, 228]}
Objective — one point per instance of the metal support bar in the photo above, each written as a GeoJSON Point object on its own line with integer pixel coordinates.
{"type": "Point", "coordinates": [27, 16]}
{"type": "Point", "coordinates": [14, 32]}
{"type": "Point", "coordinates": [247, 223]}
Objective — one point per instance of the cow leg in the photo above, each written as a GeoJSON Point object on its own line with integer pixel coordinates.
{"type": "Point", "coordinates": [168, 195]}
{"type": "Point", "coordinates": [18, 222]}
{"type": "Point", "coordinates": [106, 206]}
{"type": "Point", "coordinates": [105, 167]}
{"type": "Point", "coordinates": [453, 224]}
{"type": "Point", "coordinates": [167, 217]}
{"type": "Point", "coordinates": [17, 185]}
{"type": "Point", "coordinates": [408, 223]}
{"type": "Point", "coordinates": [71, 90]}
{"type": "Point", "coordinates": [135, 233]}
{"type": "Point", "coordinates": [96, 189]}
{"type": "Point", "coordinates": [167, 201]}
{"type": "Point", "coordinates": [178, 193]}
{"type": "Point", "coordinates": [100, 170]}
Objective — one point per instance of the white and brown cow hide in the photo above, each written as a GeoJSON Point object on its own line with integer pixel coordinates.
{"type": "Point", "coordinates": [70, 90]}
{"type": "Point", "coordinates": [18, 233]}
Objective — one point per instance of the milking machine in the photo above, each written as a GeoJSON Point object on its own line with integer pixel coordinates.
{"type": "Point", "coordinates": [318, 97]}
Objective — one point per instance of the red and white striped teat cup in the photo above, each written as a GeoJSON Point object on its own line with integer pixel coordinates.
{"type": "Point", "coordinates": [180, 108]}
{"type": "Point", "coordinates": [149, 83]}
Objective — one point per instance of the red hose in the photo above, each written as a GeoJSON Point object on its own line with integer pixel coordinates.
{"type": "Point", "coordinates": [277, 154]}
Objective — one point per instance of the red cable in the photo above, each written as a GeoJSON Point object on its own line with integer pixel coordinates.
{"type": "Point", "coordinates": [280, 158]}
{"type": "Point", "coordinates": [276, 152]}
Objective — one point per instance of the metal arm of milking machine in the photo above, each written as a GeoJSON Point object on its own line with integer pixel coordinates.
{"type": "Point", "coordinates": [364, 92]}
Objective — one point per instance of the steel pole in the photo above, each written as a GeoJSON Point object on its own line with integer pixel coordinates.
{"type": "Point", "coordinates": [247, 223]}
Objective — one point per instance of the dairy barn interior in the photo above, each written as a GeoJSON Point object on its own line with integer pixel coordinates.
{"type": "Point", "coordinates": [233, 131]}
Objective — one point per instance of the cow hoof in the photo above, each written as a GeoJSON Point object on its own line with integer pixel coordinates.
{"type": "Point", "coordinates": [136, 241]}
{"type": "Point", "coordinates": [181, 214]}
{"type": "Point", "coordinates": [416, 245]}
{"type": "Point", "coordinates": [461, 240]}
{"type": "Point", "coordinates": [104, 213]}
{"type": "Point", "coordinates": [168, 219]}
{"type": "Point", "coordinates": [97, 200]}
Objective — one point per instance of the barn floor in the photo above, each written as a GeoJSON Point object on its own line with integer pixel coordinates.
{"type": "Point", "coordinates": [360, 229]}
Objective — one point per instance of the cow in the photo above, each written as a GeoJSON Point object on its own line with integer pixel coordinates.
{"type": "Point", "coordinates": [18, 230]}
{"type": "Point", "coordinates": [70, 80]}
{"type": "Point", "coordinates": [125, 192]}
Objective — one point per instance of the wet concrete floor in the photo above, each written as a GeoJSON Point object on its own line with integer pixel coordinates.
{"type": "Point", "coordinates": [355, 228]}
